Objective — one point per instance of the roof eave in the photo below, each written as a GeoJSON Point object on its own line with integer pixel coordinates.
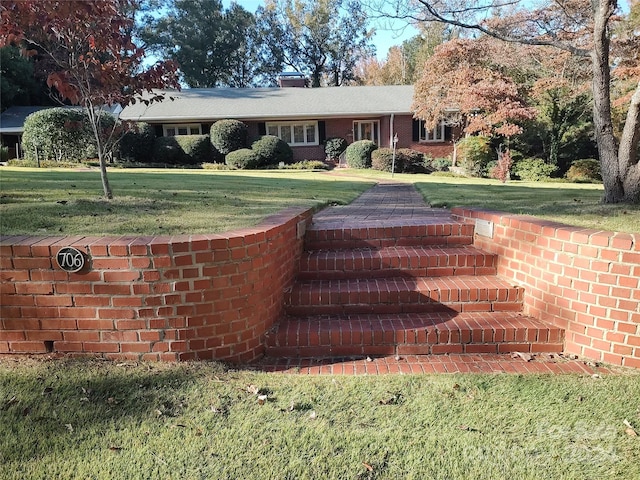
{"type": "Point", "coordinates": [261, 117]}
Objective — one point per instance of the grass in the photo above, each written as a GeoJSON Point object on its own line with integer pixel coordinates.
{"type": "Point", "coordinates": [96, 419]}
{"type": "Point", "coordinates": [161, 202]}
{"type": "Point", "coordinates": [158, 202]}
{"type": "Point", "coordinates": [571, 203]}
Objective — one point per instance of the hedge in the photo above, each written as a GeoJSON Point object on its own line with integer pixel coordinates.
{"type": "Point", "coordinates": [61, 134]}
{"type": "Point", "coordinates": [585, 170]}
{"type": "Point", "coordinates": [534, 169]}
{"type": "Point", "coordinates": [359, 153]}
{"type": "Point", "coordinates": [475, 155]}
{"type": "Point", "coordinates": [136, 145]}
{"type": "Point", "coordinates": [245, 158]}
{"type": "Point", "coordinates": [229, 135]}
{"type": "Point", "coordinates": [183, 150]}
{"type": "Point", "coordinates": [272, 150]}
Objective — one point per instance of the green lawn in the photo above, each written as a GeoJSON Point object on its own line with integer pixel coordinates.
{"type": "Point", "coordinates": [159, 202]}
{"type": "Point", "coordinates": [78, 419]}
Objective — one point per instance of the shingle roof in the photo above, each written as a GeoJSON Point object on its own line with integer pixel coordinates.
{"type": "Point", "coordinates": [12, 119]}
{"type": "Point", "coordinates": [273, 103]}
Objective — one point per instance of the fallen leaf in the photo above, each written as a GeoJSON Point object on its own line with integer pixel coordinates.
{"type": "Point", "coordinates": [262, 399]}
{"type": "Point", "coordinates": [252, 389]}
{"type": "Point", "coordinates": [367, 466]}
{"type": "Point", "coordinates": [69, 427]}
{"type": "Point", "coordinates": [158, 413]}
{"type": "Point", "coordinates": [527, 357]}
{"type": "Point", "coordinates": [629, 430]}
{"type": "Point", "coordinates": [312, 415]}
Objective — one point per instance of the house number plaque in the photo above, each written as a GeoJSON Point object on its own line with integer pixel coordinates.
{"type": "Point", "coordinates": [71, 259]}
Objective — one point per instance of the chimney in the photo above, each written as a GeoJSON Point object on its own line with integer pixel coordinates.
{"type": "Point", "coordinates": [292, 79]}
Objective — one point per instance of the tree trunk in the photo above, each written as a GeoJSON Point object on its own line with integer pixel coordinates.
{"type": "Point", "coordinates": [607, 145]}
{"type": "Point", "coordinates": [628, 154]}
{"type": "Point", "coordinates": [94, 118]}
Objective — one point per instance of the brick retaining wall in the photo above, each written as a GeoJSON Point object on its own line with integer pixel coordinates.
{"type": "Point", "coordinates": [152, 298]}
{"type": "Point", "coordinates": [585, 281]}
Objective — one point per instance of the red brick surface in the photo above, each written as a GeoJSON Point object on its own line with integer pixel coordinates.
{"type": "Point", "coordinates": [586, 281]}
{"type": "Point", "coordinates": [152, 298]}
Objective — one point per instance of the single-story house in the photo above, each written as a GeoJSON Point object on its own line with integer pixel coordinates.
{"type": "Point", "coordinates": [12, 125]}
{"type": "Point", "coordinates": [303, 117]}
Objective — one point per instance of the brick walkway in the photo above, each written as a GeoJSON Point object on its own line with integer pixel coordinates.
{"type": "Point", "coordinates": [431, 364]}
{"type": "Point", "coordinates": [384, 205]}
{"type": "Point", "coordinates": [390, 205]}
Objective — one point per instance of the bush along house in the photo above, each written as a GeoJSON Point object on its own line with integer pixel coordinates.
{"type": "Point", "coordinates": [303, 117]}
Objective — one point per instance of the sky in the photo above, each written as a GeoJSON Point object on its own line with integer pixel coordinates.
{"type": "Point", "coordinates": [386, 35]}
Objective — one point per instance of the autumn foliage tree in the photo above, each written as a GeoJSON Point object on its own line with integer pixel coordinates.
{"type": "Point", "coordinates": [465, 83]}
{"type": "Point", "coordinates": [584, 29]}
{"type": "Point", "coordinates": [96, 63]}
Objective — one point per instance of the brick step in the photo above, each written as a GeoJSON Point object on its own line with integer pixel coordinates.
{"type": "Point", "coordinates": [326, 237]}
{"type": "Point", "coordinates": [402, 295]}
{"type": "Point", "coordinates": [411, 334]}
{"type": "Point", "coordinates": [416, 261]}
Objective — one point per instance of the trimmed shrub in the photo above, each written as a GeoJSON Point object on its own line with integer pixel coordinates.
{"type": "Point", "coordinates": [229, 135]}
{"type": "Point", "coordinates": [308, 165]}
{"type": "Point", "coordinates": [167, 150]}
{"type": "Point", "coordinates": [196, 149]}
{"type": "Point", "coordinates": [440, 164]}
{"type": "Point", "coordinates": [4, 153]}
{"type": "Point", "coordinates": [475, 154]}
{"type": "Point", "coordinates": [382, 159]}
{"type": "Point", "coordinates": [136, 145]}
{"type": "Point", "coordinates": [272, 150]}
{"type": "Point", "coordinates": [586, 170]}
{"type": "Point", "coordinates": [61, 134]}
{"type": "Point", "coordinates": [359, 154]}
{"type": "Point", "coordinates": [183, 150]}
{"type": "Point", "coordinates": [412, 161]}
{"type": "Point", "coordinates": [534, 169]}
{"type": "Point", "coordinates": [333, 147]}
{"type": "Point", "coordinates": [245, 158]}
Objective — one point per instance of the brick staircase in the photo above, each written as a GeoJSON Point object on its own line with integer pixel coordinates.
{"type": "Point", "coordinates": [404, 289]}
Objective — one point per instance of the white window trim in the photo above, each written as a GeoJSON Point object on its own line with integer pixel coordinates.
{"type": "Point", "coordinates": [356, 130]}
{"type": "Point", "coordinates": [189, 126]}
{"type": "Point", "coordinates": [432, 138]}
{"type": "Point", "coordinates": [279, 125]}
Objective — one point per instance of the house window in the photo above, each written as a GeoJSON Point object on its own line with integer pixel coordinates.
{"type": "Point", "coordinates": [295, 133]}
{"type": "Point", "coordinates": [366, 130]}
{"type": "Point", "coordinates": [187, 129]}
{"type": "Point", "coordinates": [438, 134]}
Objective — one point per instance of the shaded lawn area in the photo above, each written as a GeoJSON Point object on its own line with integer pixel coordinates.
{"type": "Point", "coordinates": [97, 419]}
{"type": "Point", "coordinates": [157, 202]}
